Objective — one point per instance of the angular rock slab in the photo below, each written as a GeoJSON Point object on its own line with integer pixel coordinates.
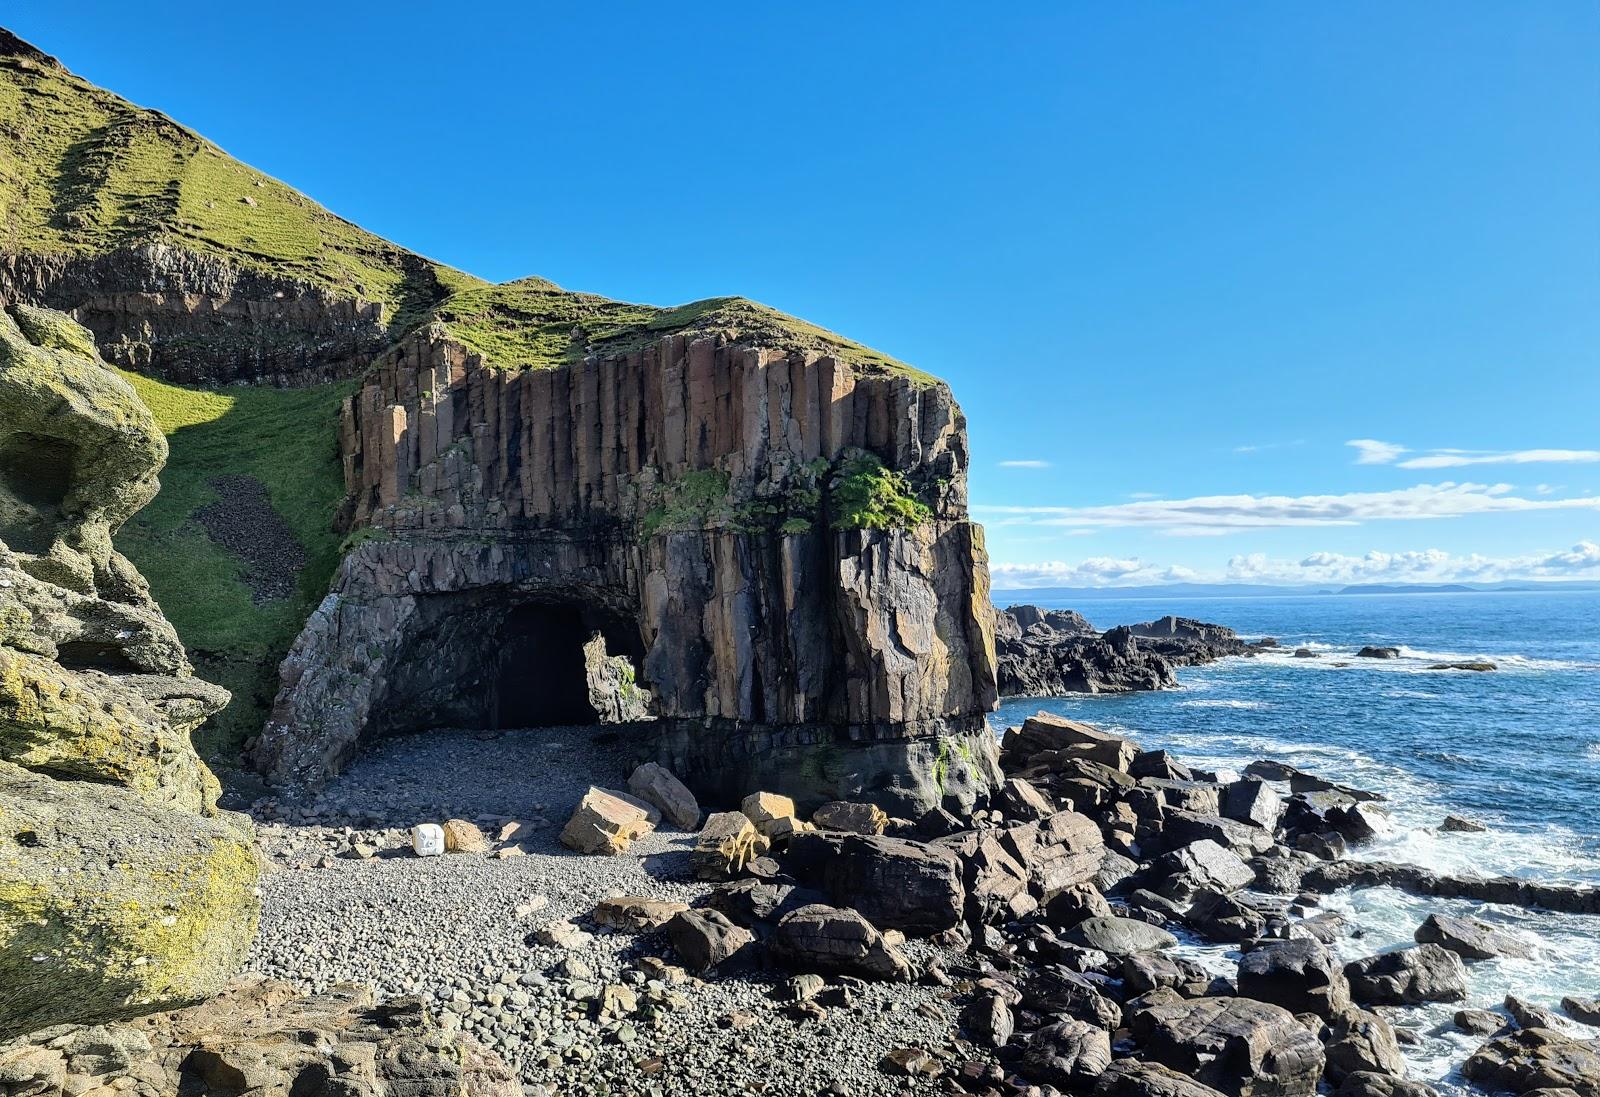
{"type": "Point", "coordinates": [1408, 977]}
{"type": "Point", "coordinates": [1242, 1047]}
{"type": "Point", "coordinates": [835, 941]}
{"type": "Point", "coordinates": [604, 823]}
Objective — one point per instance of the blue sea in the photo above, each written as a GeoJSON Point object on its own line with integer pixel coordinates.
{"type": "Point", "coordinates": [1517, 748]}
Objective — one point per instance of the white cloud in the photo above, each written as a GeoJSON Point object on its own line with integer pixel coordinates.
{"type": "Point", "coordinates": [1144, 495]}
{"type": "Point", "coordinates": [1581, 561]}
{"type": "Point", "coordinates": [1455, 458]}
{"type": "Point", "coordinates": [1265, 446]}
{"type": "Point", "coordinates": [1097, 571]}
{"type": "Point", "coordinates": [1024, 464]}
{"type": "Point", "coordinates": [1370, 451]}
{"type": "Point", "coordinates": [1212, 515]}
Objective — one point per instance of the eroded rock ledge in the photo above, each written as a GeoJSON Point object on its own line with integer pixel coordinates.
{"type": "Point", "coordinates": [122, 888]}
{"type": "Point", "coordinates": [690, 501]}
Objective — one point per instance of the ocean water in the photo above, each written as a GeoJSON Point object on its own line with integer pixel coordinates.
{"type": "Point", "coordinates": [1517, 748]}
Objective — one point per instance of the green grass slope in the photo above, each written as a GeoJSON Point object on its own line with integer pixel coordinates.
{"type": "Point", "coordinates": [285, 439]}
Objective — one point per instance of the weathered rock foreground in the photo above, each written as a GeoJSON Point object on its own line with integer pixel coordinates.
{"type": "Point", "coordinates": [690, 502]}
{"type": "Point", "coordinates": [122, 888]}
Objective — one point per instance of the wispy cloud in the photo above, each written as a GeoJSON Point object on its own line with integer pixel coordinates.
{"type": "Point", "coordinates": [1581, 561]}
{"type": "Point", "coordinates": [1456, 458]}
{"type": "Point", "coordinates": [1263, 447]}
{"type": "Point", "coordinates": [1220, 514]}
{"type": "Point", "coordinates": [1144, 495]}
{"type": "Point", "coordinates": [1370, 451]}
{"type": "Point", "coordinates": [1024, 464]}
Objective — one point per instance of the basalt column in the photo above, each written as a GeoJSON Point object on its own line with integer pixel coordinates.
{"type": "Point", "coordinates": [693, 495]}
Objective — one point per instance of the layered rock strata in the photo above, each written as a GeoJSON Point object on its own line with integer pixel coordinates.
{"type": "Point", "coordinates": [122, 888]}
{"type": "Point", "coordinates": [690, 501]}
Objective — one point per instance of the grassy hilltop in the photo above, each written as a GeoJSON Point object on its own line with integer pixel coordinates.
{"type": "Point", "coordinates": [85, 173]}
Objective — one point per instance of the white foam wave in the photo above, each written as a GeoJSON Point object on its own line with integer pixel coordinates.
{"type": "Point", "coordinates": [1224, 704]}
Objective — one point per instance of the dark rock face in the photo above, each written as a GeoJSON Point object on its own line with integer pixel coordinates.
{"type": "Point", "coordinates": [674, 500]}
{"type": "Point", "coordinates": [1136, 1078]}
{"type": "Point", "coordinates": [1042, 653]}
{"type": "Point", "coordinates": [835, 941]}
{"type": "Point", "coordinates": [1068, 1053]}
{"type": "Point", "coordinates": [202, 320]}
{"type": "Point", "coordinates": [1408, 977]}
{"type": "Point", "coordinates": [1241, 1047]}
{"type": "Point", "coordinates": [895, 883]}
{"type": "Point", "coordinates": [1299, 975]}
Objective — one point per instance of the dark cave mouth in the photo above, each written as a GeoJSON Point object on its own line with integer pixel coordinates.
{"type": "Point", "coordinates": [499, 660]}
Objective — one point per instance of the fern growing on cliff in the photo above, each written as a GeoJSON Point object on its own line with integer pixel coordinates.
{"type": "Point", "coordinates": [866, 495]}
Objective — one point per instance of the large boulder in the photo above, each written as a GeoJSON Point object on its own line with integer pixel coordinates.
{"type": "Point", "coordinates": [1360, 1041]}
{"type": "Point", "coordinates": [1242, 1047]}
{"type": "Point", "coordinates": [123, 889]}
{"type": "Point", "coordinates": [604, 823]}
{"type": "Point", "coordinates": [705, 939]}
{"type": "Point", "coordinates": [1408, 977]}
{"type": "Point", "coordinates": [1536, 1059]}
{"type": "Point", "coordinates": [1119, 936]}
{"type": "Point", "coordinates": [1299, 975]}
{"type": "Point", "coordinates": [1202, 865]}
{"type": "Point", "coordinates": [834, 941]}
{"type": "Point", "coordinates": [894, 882]}
{"type": "Point", "coordinates": [1057, 736]}
{"type": "Point", "coordinates": [1067, 1054]}
{"type": "Point", "coordinates": [1468, 937]}
{"type": "Point", "coordinates": [725, 845]}
{"type": "Point", "coordinates": [1137, 1078]}
{"type": "Point", "coordinates": [1251, 800]}
{"type": "Point", "coordinates": [656, 784]}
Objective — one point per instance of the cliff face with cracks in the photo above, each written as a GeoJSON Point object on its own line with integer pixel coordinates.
{"type": "Point", "coordinates": [778, 541]}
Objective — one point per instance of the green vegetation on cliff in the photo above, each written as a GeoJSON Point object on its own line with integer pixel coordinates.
{"type": "Point", "coordinates": [84, 172]}
{"type": "Point", "coordinates": [284, 439]}
{"type": "Point", "coordinates": [865, 495]}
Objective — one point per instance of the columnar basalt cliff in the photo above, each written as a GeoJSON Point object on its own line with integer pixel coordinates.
{"type": "Point", "coordinates": [703, 504]}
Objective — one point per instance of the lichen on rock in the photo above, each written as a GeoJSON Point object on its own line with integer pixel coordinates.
{"type": "Point", "coordinates": [122, 888]}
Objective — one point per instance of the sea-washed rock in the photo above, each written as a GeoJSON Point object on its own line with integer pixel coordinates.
{"type": "Point", "coordinates": [1366, 1083]}
{"type": "Point", "coordinates": [1408, 977]}
{"type": "Point", "coordinates": [1251, 800]}
{"type": "Point", "coordinates": [1479, 1022]}
{"type": "Point", "coordinates": [1136, 1078]}
{"type": "Point", "coordinates": [1536, 1059]}
{"type": "Point", "coordinates": [1299, 975]}
{"type": "Point", "coordinates": [1360, 1041]}
{"type": "Point", "coordinates": [1468, 937]}
{"type": "Point", "coordinates": [1584, 1010]}
{"type": "Point", "coordinates": [1200, 865]}
{"type": "Point", "coordinates": [1120, 936]}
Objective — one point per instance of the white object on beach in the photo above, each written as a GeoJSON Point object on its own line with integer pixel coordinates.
{"type": "Point", "coordinates": [427, 839]}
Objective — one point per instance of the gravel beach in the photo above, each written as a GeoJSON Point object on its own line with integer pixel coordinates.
{"type": "Point", "coordinates": [596, 1014]}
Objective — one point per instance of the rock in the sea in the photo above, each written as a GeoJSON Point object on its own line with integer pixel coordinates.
{"type": "Point", "coordinates": [1468, 937]}
{"type": "Point", "coordinates": [1408, 977]}
{"type": "Point", "coordinates": [259, 1036]}
{"type": "Point", "coordinates": [123, 889]}
{"type": "Point", "coordinates": [831, 940]}
{"type": "Point", "coordinates": [1536, 1059]}
{"type": "Point", "coordinates": [1251, 800]}
{"type": "Point", "coordinates": [1120, 936]}
{"type": "Point", "coordinates": [851, 818]}
{"type": "Point", "coordinates": [1479, 1022]}
{"type": "Point", "coordinates": [705, 939]}
{"type": "Point", "coordinates": [1368, 1083]}
{"type": "Point", "coordinates": [1360, 1041]}
{"type": "Point", "coordinates": [1299, 975]}
{"type": "Point", "coordinates": [1372, 651]}
{"type": "Point", "coordinates": [1460, 824]}
{"type": "Point", "coordinates": [1200, 865]}
{"type": "Point", "coordinates": [1068, 1054]}
{"type": "Point", "coordinates": [1242, 1047]}
{"type": "Point", "coordinates": [657, 785]}
{"type": "Point", "coordinates": [1583, 1010]}
{"type": "Point", "coordinates": [726, 844]}
{"type": "Point", "coordinates": [604, 823]}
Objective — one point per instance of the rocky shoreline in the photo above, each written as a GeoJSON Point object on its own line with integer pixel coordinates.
{"type": "Point", "coordinates": [1045, 653]}
{"type": "Point", "coordinates": [1045, 944]}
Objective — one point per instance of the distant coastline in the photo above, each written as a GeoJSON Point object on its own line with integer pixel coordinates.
{"type": "Point", "coordinates": [1008, 595]}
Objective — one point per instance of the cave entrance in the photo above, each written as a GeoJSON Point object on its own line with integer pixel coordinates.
{"type": "Point", "coordinates": [542, 679]}
{"type": "Point", "coordinates": [498, 659]}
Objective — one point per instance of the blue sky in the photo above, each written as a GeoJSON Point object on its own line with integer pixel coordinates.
{"type": "Point", "coordinates": [1173, 258]}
